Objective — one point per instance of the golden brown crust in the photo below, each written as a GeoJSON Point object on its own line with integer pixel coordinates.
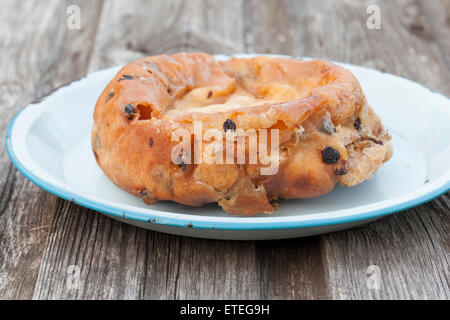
{"type": "Point", "coordinates": [133, 144]}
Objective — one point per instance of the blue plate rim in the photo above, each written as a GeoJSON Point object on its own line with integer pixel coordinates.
{"type": "Point", "coordinates": [219, 225]}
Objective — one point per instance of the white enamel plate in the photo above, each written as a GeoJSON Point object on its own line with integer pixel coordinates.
{"type": "Point", "coordinates": [49, 142]}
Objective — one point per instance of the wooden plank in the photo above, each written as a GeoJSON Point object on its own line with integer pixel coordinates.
{"type": "Point", "coordinates": [35, 56]}
{"type": "Point", "coordinates": [268, 27]}
{"type": "Point", "coordinates": [292, 269]}
{"type": "Point", "coordinates": [217, 270]}
{"type": "Point", "coordinates": [164, 27]}
{"type": "Point", "coordinates": [437, 14]}
{"type": "Point", "coordinates": [410, 248]}
{"type": "Point", "coordinates": [89, 256]}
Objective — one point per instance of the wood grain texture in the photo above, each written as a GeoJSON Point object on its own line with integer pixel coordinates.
{"type": "Point", "coordinates": [37, 54]}
{"type": "Point", "coordinates": [42, 236]}
{"type": "Point", "coordinates": [401, 245]}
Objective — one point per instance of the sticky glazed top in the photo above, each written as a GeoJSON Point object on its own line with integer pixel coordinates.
{"type": "Point", "coordinates": [255, 93]}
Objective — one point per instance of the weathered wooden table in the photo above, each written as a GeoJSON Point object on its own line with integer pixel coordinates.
{"type": "Point", "coordinates": [46, 241]}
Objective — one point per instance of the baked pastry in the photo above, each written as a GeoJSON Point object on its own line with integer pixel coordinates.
{"type": "Point", "coordinates": [325, 130]}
